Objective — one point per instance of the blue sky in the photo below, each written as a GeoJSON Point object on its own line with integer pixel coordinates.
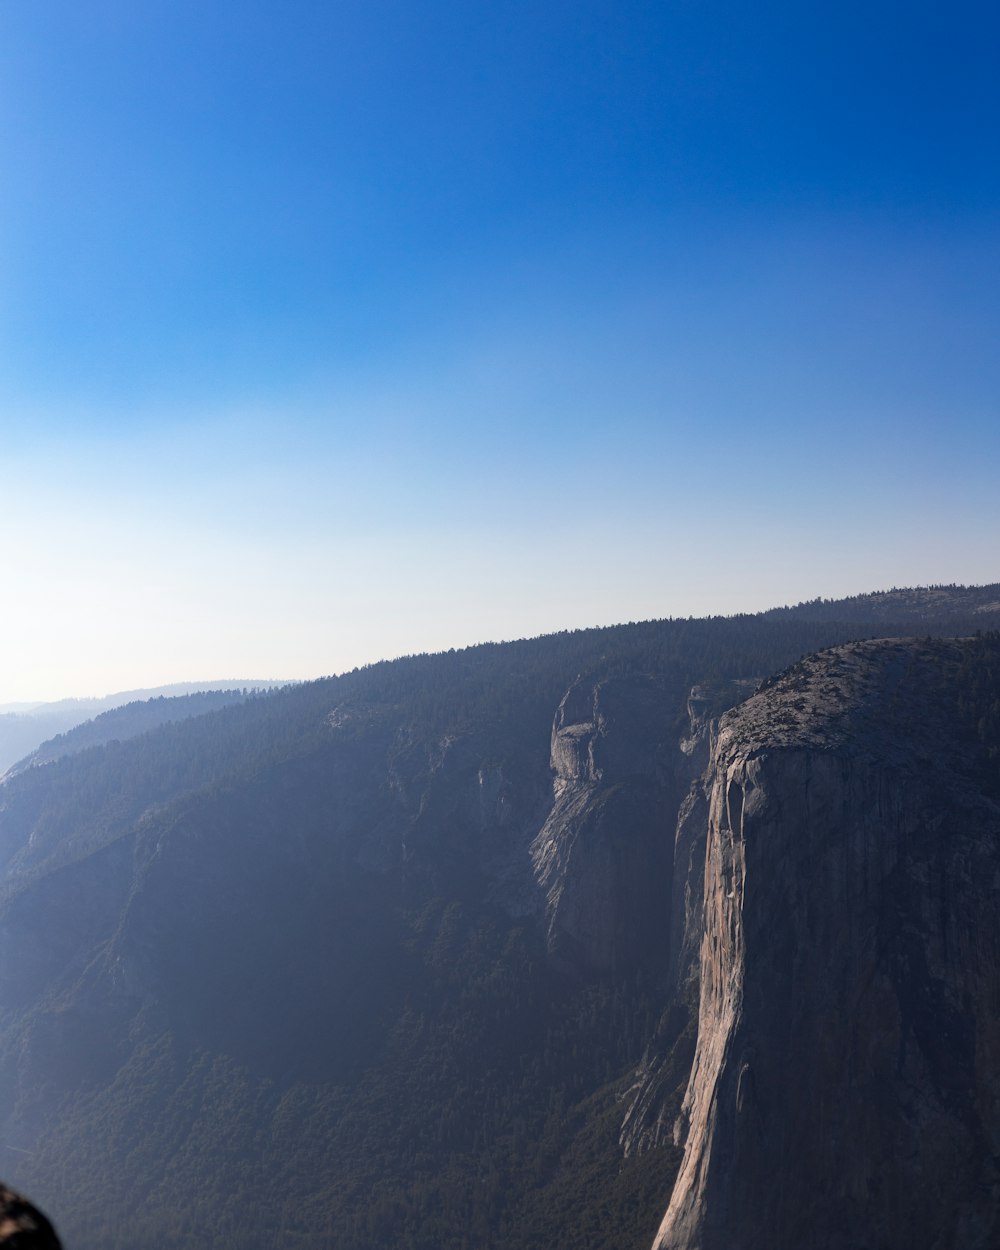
{"type": "Point", "coordinates": [332, 332]}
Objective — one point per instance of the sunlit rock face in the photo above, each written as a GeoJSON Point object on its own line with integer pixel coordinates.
{"type": "Point", "coordinates": [845, 1091]}
{"type": "Point", "coordinates": [651, 1107]}
{"type": "Point", "coordinates": [604, 856]}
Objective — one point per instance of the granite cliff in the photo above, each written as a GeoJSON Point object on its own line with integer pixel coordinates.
{"type": "Point", "coordinates": [601, 856]}
{"type": "Point", "coordinates": [845, 1089]}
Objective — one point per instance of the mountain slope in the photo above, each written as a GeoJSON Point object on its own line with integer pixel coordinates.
{"type": "Point", "coordinates": [47, 730]}
{"type": "Point", "coordinates": [965, 606]}
{"type": "Point", "coordinates": [846, 1085]}
{"type": "Point", "coordinates": [406, 955]}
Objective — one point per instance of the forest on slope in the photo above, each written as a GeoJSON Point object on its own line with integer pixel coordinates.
{"type": "Point", "coordinates": [36, 732]}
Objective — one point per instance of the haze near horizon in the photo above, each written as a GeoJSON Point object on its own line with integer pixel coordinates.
{"type": "Point", "coordinates": [334, 334]}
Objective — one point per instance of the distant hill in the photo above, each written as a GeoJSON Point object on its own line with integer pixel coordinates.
{"type": "Point", "coordinates": [25, 727]}
{"type": "Point", "coordinates": [918, 603]}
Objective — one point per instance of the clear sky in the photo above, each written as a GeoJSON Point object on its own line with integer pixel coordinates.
{"type": "Point", "coordinates": [336, 331]}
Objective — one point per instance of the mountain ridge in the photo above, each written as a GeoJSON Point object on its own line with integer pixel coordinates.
{"type": "Point", "coordinates": [29, 728]}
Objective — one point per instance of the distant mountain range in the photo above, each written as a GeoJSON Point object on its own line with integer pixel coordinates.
{"type": "Point", "coordinates": [680, 933]}
{"type": "Point", "coordinates": [25, 726]}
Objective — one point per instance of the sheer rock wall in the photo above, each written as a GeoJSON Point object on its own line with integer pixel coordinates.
{"type": "Point", "coordinates": [845, 1091]}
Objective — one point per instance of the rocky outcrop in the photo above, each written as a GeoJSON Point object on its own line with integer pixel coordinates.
{"type": "Point", "coordinates": [845, 1090]}
{"type": "Point", "coordinates": [621, 874]}
{"type": "Point", "coordinates": [603, 856]}
{"type": "Point", "coordinates": [652, 1105]}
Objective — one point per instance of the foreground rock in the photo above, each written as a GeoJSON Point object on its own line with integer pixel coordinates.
{"type": "Point", "coordinates": [22, 1226]}
{"type": "Point", "coordinates": [845, 1091]}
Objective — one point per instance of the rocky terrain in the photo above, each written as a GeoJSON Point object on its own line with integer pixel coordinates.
{"type": "Point", "coordinates": [845, 1090]}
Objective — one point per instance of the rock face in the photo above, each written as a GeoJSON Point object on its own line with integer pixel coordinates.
{"type": "Point", "coordinates": [621, 886]}
{"type": "Point", "coordinates": [845, 1091]}
{"type": "Point", "coordinates": [603, 856]}
{"type": "Point", "coordinates": [652, 1107]}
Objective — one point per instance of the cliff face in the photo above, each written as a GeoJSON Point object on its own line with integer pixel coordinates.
{"type": "Point", "coordinates": [621, 873]}
{"type": "Point", "coordinates": [845, 1091]}
{"type": "Point", "coordinates": [652, 1106]}
{"type": "Point", "coordinates": [603, 856]}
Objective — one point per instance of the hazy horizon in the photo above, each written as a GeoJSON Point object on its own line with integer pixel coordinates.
{"type": "Point", "coordinates": [166, 689]}
{"type": "Point", "coordinates": [334, 335]}
{"type": "Point", "coordinates": [220, 682]}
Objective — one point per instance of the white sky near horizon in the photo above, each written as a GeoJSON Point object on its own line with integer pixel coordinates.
{"type": "Point", "coordinates": [378, 331]}
{"type": "Point", "coordinates": [137, 572]}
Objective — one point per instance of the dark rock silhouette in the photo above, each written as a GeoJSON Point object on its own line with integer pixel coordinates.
{"type": "Point", "coordinates": [22, 1226]}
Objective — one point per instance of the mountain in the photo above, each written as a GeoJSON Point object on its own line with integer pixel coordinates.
{"type": "Point", "coordinates": [44, 730]}
{"type": "Point", "coordinates": [845, 1089]}
{"type": "Point", "coordinates": [918, 605]}
{"type": "Point", "coordinates": [447, 952]}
